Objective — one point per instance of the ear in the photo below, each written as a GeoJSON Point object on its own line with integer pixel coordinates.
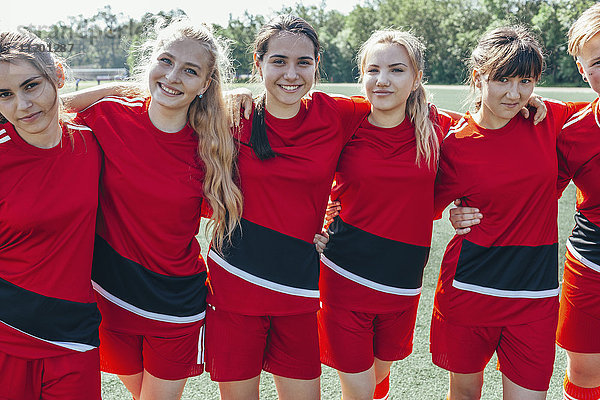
{"type": "Point", "coordinates": [60, 75]}
{"type": "Point", "coordinates": [581, 70]}
{"type": "Point", "coordinates": [257, 64]}
{"type": "Point", "coordinates": [477, 78]}
{"type": "Point", "coordinates": [206, 85]}
{"type": "Point", "coordinates": [418, 80]}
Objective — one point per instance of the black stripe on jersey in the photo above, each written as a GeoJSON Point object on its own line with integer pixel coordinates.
{"type": "Point", "coordinates": [585, 238]}
{"type": "Point", "coordinates": [377, 259]}
{"type": "Point", "coordinates": [509, 268]}
{"type": "Point", "coordinates": [132, 284]}
{"type": "Point", "coordinates": [273, 257]}
{"type": "Point", "coordinates": [50, 319]}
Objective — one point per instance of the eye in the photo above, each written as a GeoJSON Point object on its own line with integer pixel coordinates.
{"type": "Point", "coordinates": [191, 71]}
{"type": "Point", "coordinates": [31, 85]}
{"type": "Point", "coordinates": [372, 70]}
{"type": "Point", "coordinates": [278, 61]}
{"type": "Point", "coordinates": [305, 62]}
{"type": "Point", "coordinates": [526, 81]}
{"type": "Point", "coordinates": [4, 95]}
{"type": "Point", "coordinates": [397, 70]}
{"type": "Point", "coordinates": [503, 79]}
{"type": "Point", "coordinates": [165, 60]}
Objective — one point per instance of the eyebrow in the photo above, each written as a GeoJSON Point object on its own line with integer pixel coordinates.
{"type": "Point", "coordinates": [282, 56]}
{"type": "Point", "coordinates": [186, 63]}
{"type": "Point", "coordinates": [389, 66]}
{"type": "Point", "coordinates": [594, 60]}
{"type": "Point", "coordinates": [24, 83]}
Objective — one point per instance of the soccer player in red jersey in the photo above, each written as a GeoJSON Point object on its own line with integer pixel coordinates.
{"type": "Point", "coordinates": [167, 154]}
{"type": "Point", "coordinates": [579, 160]}
{"type": "Point", "coordinates": [498, 285]}
{"type": "Point", "coordinates": [264, 293]}
{"type": "Point", "coordinates": [370, 292]}
{"type": "Point", "coordinates": [49, 171]}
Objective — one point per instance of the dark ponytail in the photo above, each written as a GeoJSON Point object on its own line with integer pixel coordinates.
{"type": "Point", "coordinates": [258, 138]}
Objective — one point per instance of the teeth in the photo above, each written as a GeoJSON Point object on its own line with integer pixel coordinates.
{"type": "Point", "coordinates": [288, 87]}
{"type": "Point", "coordinates": [170, 91]}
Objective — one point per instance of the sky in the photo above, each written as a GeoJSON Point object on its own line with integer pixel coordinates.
{"type": "Point", "coordinates": [47, 12]}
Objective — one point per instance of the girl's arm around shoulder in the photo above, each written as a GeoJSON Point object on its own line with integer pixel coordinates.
{"type": "Point", "coordinates": [77, 101]}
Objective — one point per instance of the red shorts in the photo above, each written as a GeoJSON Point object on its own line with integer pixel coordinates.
{"type": "Point", "coordinates": [73, 376]}
{"type": "Point", "coordinates": [525, 352]}
{"type": "Point", "coordinates": [351, 340]}
{"type": "Point", "coordinates": [173, 357]}
{"type": "Point", "coordinates": [579, 315]}
{"type": "Point", "coordinates": [239, 346]}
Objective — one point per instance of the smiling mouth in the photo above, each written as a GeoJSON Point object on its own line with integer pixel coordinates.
{"type": "Point", "coordinates": [290, 88]}
{"type": "Point", "coordinates": [30, 117]}
{"type": "Point", "coordinates": [169, 90]}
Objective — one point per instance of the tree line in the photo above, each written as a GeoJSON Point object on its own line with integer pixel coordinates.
{"type": "Point", "coordinates": [449, 28]}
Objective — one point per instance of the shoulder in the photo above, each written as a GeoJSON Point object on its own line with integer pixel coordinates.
{"type": "Point", "coordinates": [583, 117]}
{"type": "Point", "coordinates": [5, 138]}
{"type": "Point", "coordinates": [118, 103]}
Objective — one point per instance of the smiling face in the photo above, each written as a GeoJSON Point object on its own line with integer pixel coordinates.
{"type": "Point", "coordinates": [178, 74]}
{"type": "Point", "coordinates": [501, 99]}
{"type": "Point", "coordinates": [588, 62]}
{"type": "Point", "coordinates": [30, 103]}
{"type": "Point", "coordinates": [389, 78]}
{"type": "Point", "coordinates": [288, 71]}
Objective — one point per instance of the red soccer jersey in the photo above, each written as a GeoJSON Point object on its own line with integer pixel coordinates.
{"type": "Point", "coordinates": [379, 244]}
{"type": "Point", "coordinates": [48, 203]}
{"type": "Point", "coordinates": [150, 208]}
{"type": "Point", "coordinates": [505, 271]}
{"type": "Point", "coordinates": [579, 160]}
{"type": "Point", "coordinates": [272, 267]}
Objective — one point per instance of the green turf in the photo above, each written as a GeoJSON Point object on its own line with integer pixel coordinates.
{"type": "Point", "coordinates": [414, 378]}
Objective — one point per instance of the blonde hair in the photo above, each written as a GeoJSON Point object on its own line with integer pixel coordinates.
{"type": "Point", "coordinates": [25, 46]}
{"type": "Point", "coordinates": [582, 30]}
{"type": "Point", "coordinates": [208, 117]}
{"type": "Point", "coordinates": [417, 108]}
{"type": "Point", "coordinates": [507, 51]}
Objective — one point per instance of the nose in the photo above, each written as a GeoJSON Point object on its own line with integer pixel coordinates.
{"type": "Point", "coordinates": [23, 102]}
{"type": "Point", "coordinates": [382, 79]}
{"type": "Point", "coordinates": [290, 73]}
{"type": "Point", "coordinates": [172, 75]}
{"type": "Point", "coordinates": [513, 90]}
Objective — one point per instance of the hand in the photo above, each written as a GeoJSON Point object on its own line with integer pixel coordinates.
{"type": "Point", "coordinates": [540, 109]}
{"type": "Point", "coordinates": [235, 100]}
{"type": "Point", "coordinates": [464, 217]}
{"type": "Point", "coordinates": [333, 210]}
{"type": "Point", "coordinates": [321, 241]}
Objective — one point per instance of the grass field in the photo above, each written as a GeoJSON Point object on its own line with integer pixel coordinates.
{"type": "Point", "coordinates": [414, 378]}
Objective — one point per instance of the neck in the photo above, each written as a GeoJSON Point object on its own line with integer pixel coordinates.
{"type": "Point", "coordinates": [282, 111]}
{"type": "Point", "coordinates": [387, 119]}
{"type": "Point", "coordinates": [47, 139]}
{"type": "Point", "coordinates": [165, 119]}
{"type": "Point", "coordinates": [486, 121]}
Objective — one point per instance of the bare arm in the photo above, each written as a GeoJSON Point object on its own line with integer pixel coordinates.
{"type": "Point", "coordinates": [77, 101]}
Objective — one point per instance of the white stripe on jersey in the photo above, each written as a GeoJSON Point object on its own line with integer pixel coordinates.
{"type": "Point", "coordinates": [514, 294]}
{"type": "Point", "coordinates": [578, 116]}
{"type": "Point", "coordinates": [596, 111]}
{"type": "Point", "coordinates": [581, 258]}
{"type": "Point", "coordinates": [146, 314]}
{"type": "Point", "coordinates": [554, 101]}
{"type": "Point", "coordinates": [365, 282]}
{"type": "Point", "coordinates": [567, 396]}
{"type": "Point", "coordinates": [134, 102]}
{"type": "Point", "coordinates": [459, 126]}
{"type": "Point", "coordinates": [277, 287]}
{"type": "Point", "coordinates": [81, 347]}
{"type": "Point", "coordinates": [4, 136]}
{"type": "Point", "coordinates": [78, 127]}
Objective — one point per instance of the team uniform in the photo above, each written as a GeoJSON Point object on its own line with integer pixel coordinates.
{"type": "Point", "coordinates": [579, 160]}
{"type": "Point", "coordinates": [147, 272]}
{"type": "Point", "coordinates": [265, 284]}
{"type": "Point", "coordinates": [498, 284]}
{"type": "Point", "coordinates": [48, 319]}
{"type": "Point", "coordinates": [372, 267]}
